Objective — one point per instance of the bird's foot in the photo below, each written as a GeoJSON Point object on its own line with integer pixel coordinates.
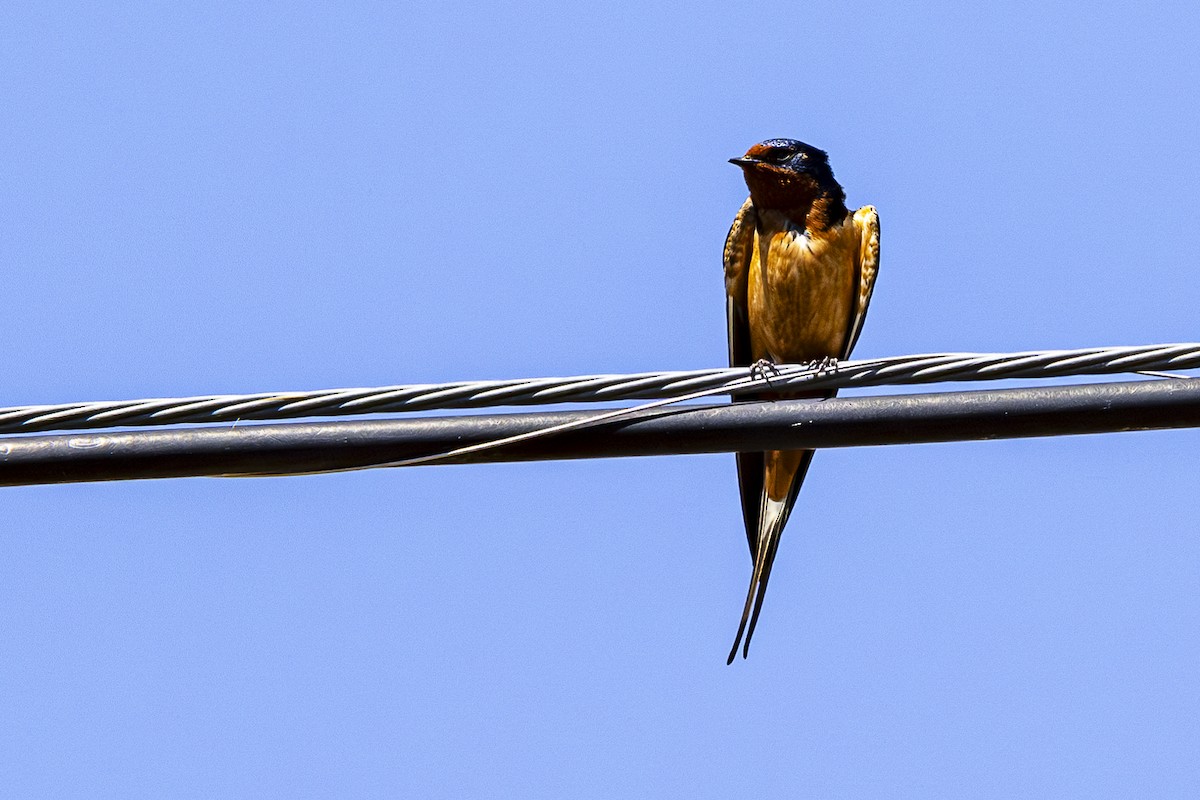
{"type": "Point", "coordinates": [764, 369]}
{"type": "Point", "coordinates": [822, 365]}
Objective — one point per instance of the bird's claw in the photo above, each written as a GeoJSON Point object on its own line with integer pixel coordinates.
{"type": "Point", "coordinates": [826, 364]}
{"type": "Point", "coordinates": [764, 370]}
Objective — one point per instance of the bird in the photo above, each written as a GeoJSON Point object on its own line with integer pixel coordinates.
{"type": "Point", "coordinates": [799, 272]}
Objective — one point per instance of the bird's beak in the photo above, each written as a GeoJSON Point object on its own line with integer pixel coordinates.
{"type": "Point", "coordinates": [744, 161]}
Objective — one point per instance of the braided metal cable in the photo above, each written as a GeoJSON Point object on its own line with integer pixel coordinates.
{"type": "Point", "coordinates": [896, 370]}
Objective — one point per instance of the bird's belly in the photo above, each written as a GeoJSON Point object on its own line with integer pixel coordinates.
{"type": "Point", "coordinates": [800, 304]}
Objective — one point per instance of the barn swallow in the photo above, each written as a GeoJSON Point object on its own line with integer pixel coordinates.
{"type": "Point", "coordinates": [799, 271]}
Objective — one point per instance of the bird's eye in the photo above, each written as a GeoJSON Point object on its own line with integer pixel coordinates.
{"type": "Point", "coordinates": [782, 154]}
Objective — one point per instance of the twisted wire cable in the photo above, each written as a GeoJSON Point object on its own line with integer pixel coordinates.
{"type": "Point", "coordinates": [896, 370]}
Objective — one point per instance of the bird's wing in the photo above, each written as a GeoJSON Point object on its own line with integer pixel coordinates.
{"type": "Point", "coordinates": [866, 222]}
{"type": "Point", "coordinates": [739, 250]}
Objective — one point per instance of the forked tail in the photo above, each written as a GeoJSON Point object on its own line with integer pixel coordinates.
{"type": "Point", "coordinates": [772, 518]}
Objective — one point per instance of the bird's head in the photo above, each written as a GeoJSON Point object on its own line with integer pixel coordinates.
{"type": "Point", "coordinates": [785, 173]}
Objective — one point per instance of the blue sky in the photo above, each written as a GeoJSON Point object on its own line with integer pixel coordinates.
{"type": "Point", "coordinates": [235, 198]}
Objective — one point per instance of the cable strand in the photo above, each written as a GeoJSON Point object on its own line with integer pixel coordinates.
{"type": "Point", "coordinates": [1151, 360]}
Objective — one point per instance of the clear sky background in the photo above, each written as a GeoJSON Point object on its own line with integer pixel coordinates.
{"type": "Point", "coordinates": [239, 198]}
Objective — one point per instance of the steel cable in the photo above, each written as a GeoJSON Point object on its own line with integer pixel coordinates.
{"type": "Point", "coordinates": [897, 370]}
